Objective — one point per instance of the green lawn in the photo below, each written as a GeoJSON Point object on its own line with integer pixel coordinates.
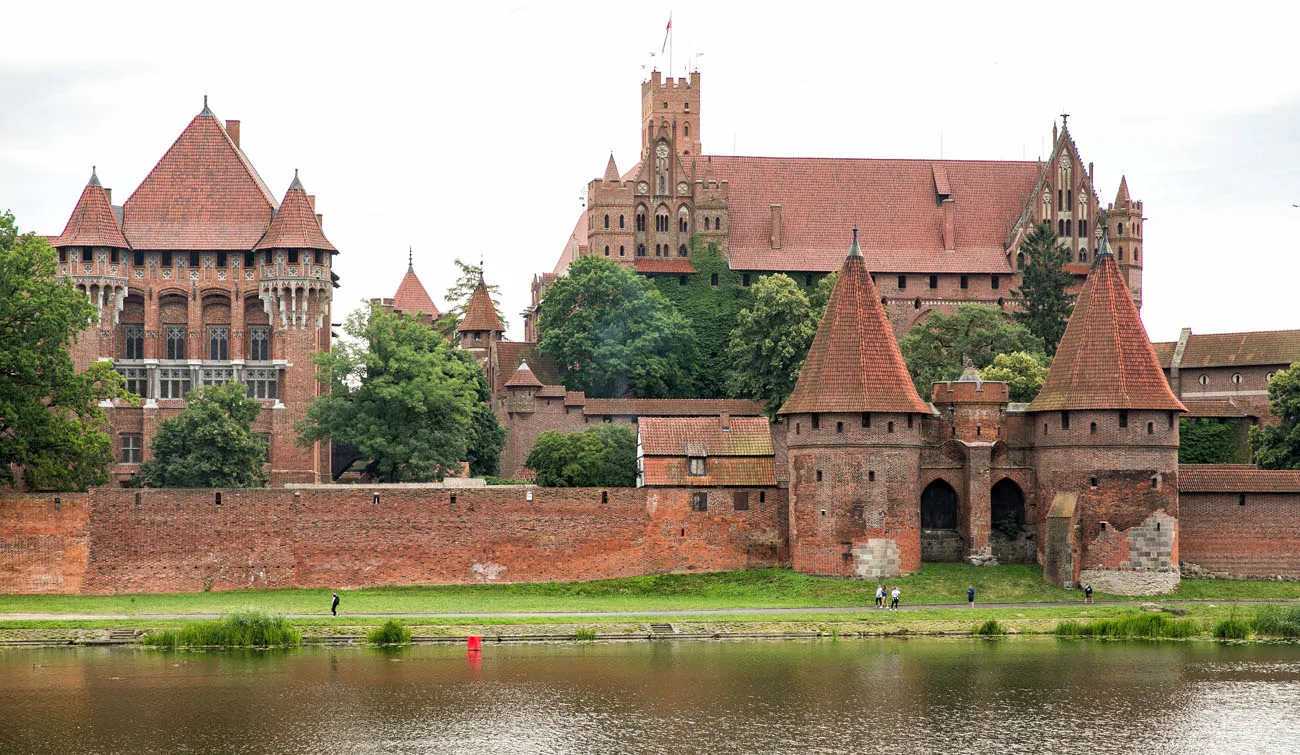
{"type": "Point", "coordinates": [759, 588]}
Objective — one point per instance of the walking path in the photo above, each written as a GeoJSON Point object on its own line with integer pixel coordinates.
{"type": "Point", "coordinates": [702, 612]}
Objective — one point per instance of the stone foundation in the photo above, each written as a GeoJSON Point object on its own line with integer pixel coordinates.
{"type": "Point", "coordinates": [1130, 582]}
{"type": "Point", "coordinates": [941, 546]}
{"type": "Point", "coordinates": [876, 558]}
{"type": "Point", "coordinates": [1022, 550]}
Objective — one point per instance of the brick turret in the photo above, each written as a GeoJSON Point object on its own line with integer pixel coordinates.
{"type": "Point", "coordinates": [853, 434]}
{"type": "Point", "coordinates": [1105, 436]}
{"type": "Point", "coordinates": [676, 101]}
{"type": "Point", "coordinates": [1124, 218]}
{"type": "Point", "coordinates": [480, 327]}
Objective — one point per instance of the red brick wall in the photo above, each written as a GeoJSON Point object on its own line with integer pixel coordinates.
{"type": "Point", "coordinates": [112, 540]}
{"type": "Point", "coordinates": [1258, 539]}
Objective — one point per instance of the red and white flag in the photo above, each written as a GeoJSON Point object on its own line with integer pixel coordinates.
{"type": "Point", "coordinates": [667, 30]}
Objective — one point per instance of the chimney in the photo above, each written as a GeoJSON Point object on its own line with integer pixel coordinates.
{"type": "Point", "coordinates": [311, 202]}
{"type": "Point", "coordinates": [319, 220]}
{"type": "Point", "coordinates": [109, 194]}
{"type": "Point", "coordinates": [949, 208]}
{"type": "Point", "coordinates": [776, 226]}
{"type": "Point", "coordinates": [724, 419]}
{"type": "Point", "coordinates": [232, 128]}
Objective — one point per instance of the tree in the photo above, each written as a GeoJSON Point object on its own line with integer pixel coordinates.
{"type": "Point", "coordinates": [1023, 373]}
{"type": "Point", "coordinates": [1205, 440]}
{"type": "Point", "coordinates": [821, 295]}
{"type": "Point", "coordinates": [210, 444]}
{"type": "Point", "coordinates": [602, 456]}
{"type": "Point", "coordinates": [460, 291]}
{"type": "Point", "coordinates": [615, 334]}
{"type": "Point", "coordinates": [399, 394]}
{"type": "Point", "coordinates": [770, 342]}
{"type": "Point", "coordinates": [938, 348]}
{"type": "Point", "coordinates": [486, 435]}
{"type": "Point", "coordinates": [52, 427]}
{"type": "Point", "coordinates": [1278, 446]}
{"type": "Point", "coordinates": [1045, 306]}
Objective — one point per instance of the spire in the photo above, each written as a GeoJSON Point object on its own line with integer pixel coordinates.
{"type": "Point", "coordinates": [1122, 197]}
{"type": "Point", "coordinates": [480, 313]}
{"type": "Point", "coordinates": [611, 170]}
{"type": "Point", "coordinates": [1105, 360]}
{"type": "Point", "coordinates": [93, 222]}
{"type": "Point", "coordinates": [854, 251]}
{"type": "Point", "coordinates": [94, 177]}
{"type": "Point", "coordinates": [410, 259]}
{"type": "Point", "coordinates": [205, 110]}
{"type": "Point", "coordinates": [854, 364]}
{"type": "Point", "coordinates": [294, 225]}
{"type": "Point", "coordinates": [411, 297]}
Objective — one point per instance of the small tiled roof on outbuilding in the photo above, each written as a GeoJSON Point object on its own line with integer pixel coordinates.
{"type": "Point", "coordinates": [1105, 360]}
{"type": "Point", "coordinates": [510, 354]}
{"type": "Point", "coordinates": [854, 364]}
{"type": "Point", "coordinates": [671, 436]}
{"type": "Point", "coordinates": [1234, 478]}
{"type": "Point", "coordinates": [1218, 409]}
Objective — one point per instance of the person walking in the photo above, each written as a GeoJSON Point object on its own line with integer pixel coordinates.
{"type": "Point", "coordinates": [334, 605]}
{"type": "Point", "coordinates": [893, 602]}
{"type": "Point", "coordinates": [880, 596]}
{"type": "Point", "coordinates": [970, 596]}
{"type": "Point", "coordinates": [1087, 593]}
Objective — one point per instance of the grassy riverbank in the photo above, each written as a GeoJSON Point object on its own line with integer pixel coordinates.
{"type": "Point", "coordinates": [759, 588]}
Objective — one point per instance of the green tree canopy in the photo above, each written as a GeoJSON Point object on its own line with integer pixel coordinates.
{"type": "Point", "coordinates": [821, 295]}
{"type": "Point", "coordinates": [401, 395]}
{"type": "Point", "coordinates": [1023, 373]}
{"type": "Point", "coordinates": [486, 435]}
{"type": "Point", "coordinates": [602, 456]}
{"type": "Point", "coordinates": [1204, 440]}
{"type": "Point", "coordinates": [936, 349]}
{"type": "Point", "coordinates": [770, 342]}
{"type": "Point", "coordinates": [1278, 446]}
{"type": "Point", "coordinates": [1045, 306]}
{"type": "Point", "coordinates": [615, 334]}
{"type": "Point", "coordinates": [210, 444]}
{"type": "Point", "coordinates": [51, 425]}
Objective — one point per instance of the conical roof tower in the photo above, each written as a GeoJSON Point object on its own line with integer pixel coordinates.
{"type": "Point", "coordinates": [92, 222]}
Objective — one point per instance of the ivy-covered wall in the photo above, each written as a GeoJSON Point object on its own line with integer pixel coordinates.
{"type": "Point", "coordinates": [712, 309]}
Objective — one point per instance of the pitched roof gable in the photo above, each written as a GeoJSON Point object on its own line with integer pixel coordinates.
{"type": "Point", "coordinates": [92, 222]}
{"type": "Point", "coordinates": [480, 314]}
{"type": "Point", "coordinates": [854, 364]}
{"type": "Point", "coordinates": [1269, 347]}
{"type": "Point", "coordinates": [202, 194]}
{"type": "Point", "coordinates": [1104, 360]}
{"type": "Point", "coordinates": [294, 225]}
{"type": "Point", "coordinates": [672, 436]}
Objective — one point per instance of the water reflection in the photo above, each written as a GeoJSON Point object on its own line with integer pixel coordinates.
{"type": "Point", "coordinates": [899, 696]}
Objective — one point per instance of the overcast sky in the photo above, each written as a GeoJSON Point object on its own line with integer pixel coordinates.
{"type": "Point", "coordinates": [472, 130]}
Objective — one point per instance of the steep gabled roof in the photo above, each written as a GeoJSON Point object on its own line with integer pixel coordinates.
{"type": "Point", "coordinates": [1104, 360]}
{"type": "Point", "coordinates": [611, 170]}
{"type": "Point", "coordinates": [854, 364]}
{"type": "Point", "coordinates": [92, 222]}
{"type": "Point", "coordinates": [295, 225]}
{"type": "Point", "coordinates": [411, 296]}
{"type": "Point", "coordinates": [523, 378]}
{"type": "Point", "coordinates": [202, 194]}
{"type": "Point", "coordinates": [479, 313]}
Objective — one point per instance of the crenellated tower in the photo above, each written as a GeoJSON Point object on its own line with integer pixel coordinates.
{"type": "Point", "coordinates": [1124, 218]}
{"type": "Point", "coordinates": [676, 103]}
{"type": "Point", "coordinates": [853, 434]}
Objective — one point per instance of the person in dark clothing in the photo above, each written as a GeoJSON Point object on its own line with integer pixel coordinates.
{"type": "Point", "coordinates": [970, 596]}
{"type": "Point", "coordinates": [334, 605]}
{"type": "Point", "coordinates": [1087, 593]}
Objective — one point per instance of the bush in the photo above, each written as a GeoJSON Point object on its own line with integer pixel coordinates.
{"type": "Point", "coordinates": [242, 629]}
{"type": "Point", "coordinates": [494, 480]}
{"type": "Point", "coordinates": [1149, 625]}
{"type": "Point", "coordinates": [1278, 621]}
{"type": "Point", "coordinates": [990, 628]}
{"type": "Point", "coordinates": [389, 633]}
{"type": "Point", "coordinates": [1231, 628]}
{"type": "Point", "coordinates": [585, 635]}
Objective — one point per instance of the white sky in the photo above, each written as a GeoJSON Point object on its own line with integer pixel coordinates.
{"type": "Point", "coordinates": [472, 129]}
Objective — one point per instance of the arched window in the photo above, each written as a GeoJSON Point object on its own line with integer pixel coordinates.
{"type": "Point", "coordinates": [1121, 254]}
{"type": "Point", "coordinates": [1135, 254]}
{"type": "Point", "coordinates": [1083, 255]}
{"type": "Point", "coordinates": [1083, 226]}
{"type": "Point", "coordinates": [1060, 227]}
{"type": "Point", "coordinates": [620, 222]}
{"type": "Point", "coordinates": [686, 129]}
{"type": "Point", "coordinates": [682, 224]}
{"type": "Point", "coordinates": [717, 223]}
{"type": "Point", "coordinates": [1067, 228]}
{"type": "Point", "coordinates": [620, 251]}
{"type": "Point", "coordinates": [640, 221]}
{"type": "Point", "coordinates": [640, 250]}
{"type": "Point", "coordinates": [681, 251]}
{"type": "Point", "coordinates": [1020, 261]}
{"type": "Point", "coordinates": [607, 250]}
{"type": "Point", "coordinates": [706, 222]}
{"type": "Point", "coordinates": [607, 221]}
{"type": "Point", "coordinates": [1119, 229]}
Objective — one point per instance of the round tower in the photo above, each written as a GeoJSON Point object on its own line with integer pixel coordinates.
{"type": "Point", "coordinates": [1105, 441]}
{"type": "Point", "coordinates": [853, 434]}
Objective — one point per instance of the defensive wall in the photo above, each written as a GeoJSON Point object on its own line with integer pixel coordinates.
{"type": "Point", "coordinates": [112, 540]}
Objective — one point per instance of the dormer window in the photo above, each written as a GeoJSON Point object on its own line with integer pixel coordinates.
{"type": "Point", "coordinates": [695, 466]}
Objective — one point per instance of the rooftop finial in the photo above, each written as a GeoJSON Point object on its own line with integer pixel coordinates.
{"type": "Point", "coordinates": [94, 177]}
{"type": "Point", "coordinates": [205, 105]}
{"type": "Point", "coordinates": [1104, 251]}
{"type": "Point", "coordinates": [297, 184]}
{"type": "Point", "coordinates": [854, 251]}
{"type": "Point", "coordinates": [410, 258]}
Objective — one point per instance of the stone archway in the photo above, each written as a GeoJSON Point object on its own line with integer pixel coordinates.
{"type": "Point", "coordinates": [940, 512]}
{"type": "Point", "coordinates": [1010, 536]}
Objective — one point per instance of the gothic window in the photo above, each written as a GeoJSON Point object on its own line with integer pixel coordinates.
{"type": "Point", "coordinates": [640, 250]}
{"type": "Point", "coordinates": [717, 223]}
{"type": "Point", "coordinates": [1119, 229]}
{"type": "Point", "coordinates": [620, 222]}
{"type": "Point", "coordinates": [219, 343]}
{"type": "Point", "coordinates": [620, 250]}
{"type": "Point", "coordinates": [607, 250]}
{"type": "Point", "coordinates": [261, 383]}
{"type": "Point", "coordinates": [1059, 201]}
{"type": "Point", "coordinates": [1020, 261]}
{"type": "Point", "coordinates": [1083, 255]}
{"type": "Point", "coordinates": [175, 342]}
{"type": "Point", "coordinates": [131, 448]}
{"type": "Point", "coordinates": [1121, 254]}
{"type": "Point", "coordinates": [216, 375]}
{"type": "Point", "coordinates": [134, 341]}
{"type": "Point", "coordinates": [706, 222]}
{"type": "Point", "coordinates": [607, 221]}
{"type": "Point", "coordinates": [681, 251]}
{"type": "Point", "coordinates": [640, 221]}
{"type": "Point", "coordinates": [686, 130]}
{"type": "Point", "coordinates": [1067, 228]}
{"type": "Point", "coordinates": [137, 380]}
{"type": "Point", "coordinates": [173, 382]}
{"type": "Point", "coordinates": [659, 250]}
{"type": "Point", "coordinates": [1060, 228]}
{"type": "Point", "coordinates": [259, 343]}
{"type": "Point", "coordinates": [1069, 197]}
{"type": "Point", "coordinates": [1083, 227]}
{"type": "Point", "coordinates": [682, 224]}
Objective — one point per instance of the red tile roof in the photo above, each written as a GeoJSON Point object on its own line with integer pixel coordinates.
{"type": "Point", "coordinates": [1104, 360]}
{"type": "Point", "coordinates": [743, 471]}
{"type": "Point", "coordinates": [670, 407]}
{"type": "Point", "coordinates": [1271, 347]}
{"type": "Point", "coordinates": [1217, 408]}
{"type": "Point", "coordinates": [202, 194]}
{"type": "Point", "coordinates": [480, 314]}
{"type": "Point", "coordinates": [294, 225]}
{"type": "Point", "coordinates": [93, 222]}
{"type": "Point", "coordinates": [1215, 478]}
{"type": "Point", "coordinates": [854, 364]}
{"type": "Point", "coordinates": [523, 378]}
{"type": "Point", "coordinates": [411, 296]}
{"type": "Point", "coordinates": [895, 203]}
{"type": "Point", "coordinates": [576, 240]}
{"type": "Point", "coordinates": [671, 436]}
{"type": "Point", "coordinates": [675, 265]}
{"type": "Point", "coordinates": [510, 354]}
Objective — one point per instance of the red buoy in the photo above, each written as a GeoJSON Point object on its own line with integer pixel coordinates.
{"type": "Point", "coordinates": [474, 643]}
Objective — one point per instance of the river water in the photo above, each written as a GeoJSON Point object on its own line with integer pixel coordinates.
{"type": "Point", "coordinates": [1015, 695]}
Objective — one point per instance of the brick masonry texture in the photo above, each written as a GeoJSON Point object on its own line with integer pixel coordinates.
{"type": "Point", "coordinates": [1241, 534]}
{"type": "Point", "coordinates": [111, 541]}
